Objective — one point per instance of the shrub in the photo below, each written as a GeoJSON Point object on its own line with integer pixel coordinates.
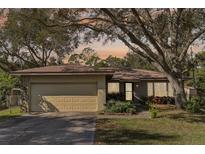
{"type": "Point", "coordinates": [7, 82]}
{"type": "Point", "coordinates": [159, 100]}
{"type": "Point", "coordinates": [152, 110]}
{"type": "Point", "coordinates": [120, 107]}
{"type": "Point", "coordinates": [193, 105]}
{"type": "Point", "coordinates": [201, 100]}
{"type": "Point", "coordinates": [115, 96]}
{"type": "Point", "coordinates": [143, 100]}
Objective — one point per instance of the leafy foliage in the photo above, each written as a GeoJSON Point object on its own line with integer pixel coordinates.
{"type": "Point", "coordinates": [199, 78]}
{"type": "Point", "coordinates": [7, 82]}
{"type": "Point", "coordinates": [87, 57]}
{"type": "Point", "coordinates": [120, 107]}
{"type": "Point", "coordinates": [135, 61]}
{"type": "Point", "coordinates": [193, 105]}
{"type": "Point", "coordinates": [26, 40]}
{"type": "Point", "coordinates": [152, 110]}
{"type": "Point", "coordinates": [159, 100]}
{"type": "Point", "coordinates": [115, 96]}
{"type": "Point", "coordinates": [113, 61]}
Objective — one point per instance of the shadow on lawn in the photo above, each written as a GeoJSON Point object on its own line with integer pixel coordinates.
{"type": "Point", "coordinates": [187, 117]}
{"type": "Point", "coordinates": [120, 135]}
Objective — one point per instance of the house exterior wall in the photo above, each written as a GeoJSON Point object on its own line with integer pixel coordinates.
{"type": "Point", "coordinates": [99, 80]}
{"type": "Point", "coordinates": [152, 88]}
{"type": "Point", "coordinates": [148, 88]}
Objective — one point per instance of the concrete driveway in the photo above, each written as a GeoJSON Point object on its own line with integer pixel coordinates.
{"type": "Point", "coordinates": [49, 128]}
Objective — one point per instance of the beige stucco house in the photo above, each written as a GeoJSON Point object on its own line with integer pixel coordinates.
{"type": "Point", "coordinates": [82, 88]}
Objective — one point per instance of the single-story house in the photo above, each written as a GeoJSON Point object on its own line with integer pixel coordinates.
{"type": "Point", "coordinates": [74, 87]}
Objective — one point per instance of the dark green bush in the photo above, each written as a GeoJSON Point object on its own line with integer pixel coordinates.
{"type": "Point", "coordinates": [7, 82]}
{"type": "Point", "coordinates": [202, 100]}
{"type": "Point", "coordinates": [115, 96]}
{"type": "Point", "coordinates": [120, 107]}
{"type": "Point", "coordinates": [158, 100]}
{"type": "Point", "coordinates": [193, 105]}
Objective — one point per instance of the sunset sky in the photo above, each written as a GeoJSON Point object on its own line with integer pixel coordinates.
{"type": "Point", "coordinates": [117, 49]}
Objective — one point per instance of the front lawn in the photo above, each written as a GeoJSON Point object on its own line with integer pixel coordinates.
{"type": "Point", "coordinates": [10, 113]}
{"type": "Point", "coordinates": [171, 127]}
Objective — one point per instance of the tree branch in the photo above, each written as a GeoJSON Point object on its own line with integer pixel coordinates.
{"type": "Point", "coordinates": [32, 51]}
{"type": "Point", "coordinates": [14, 54]}
{"type": "Point", "coordinates": [188, 44]}
{"type": "Point", "coordinates": [146, 32]}
{"type": "Point", "coordinates": [131, 35]}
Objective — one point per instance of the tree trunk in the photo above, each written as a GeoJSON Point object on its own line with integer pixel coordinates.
{"type": "Point", "coordinates": [179, 93]}
{"type": "Point", "coordinates": [177, 85]}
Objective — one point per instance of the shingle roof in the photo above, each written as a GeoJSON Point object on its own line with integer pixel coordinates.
{"type": "Point", "coordinates": [117, 73]}
{"type": "Point", "coordinates": [67, 68]}
{"type": "Point", "coordinates": [136, 74]}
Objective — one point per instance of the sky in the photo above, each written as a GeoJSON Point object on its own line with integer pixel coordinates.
{"type": "Point", "coordinates": [117, 49]}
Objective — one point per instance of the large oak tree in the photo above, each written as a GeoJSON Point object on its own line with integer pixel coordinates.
{"type": "Point", "coordinates": [162, 36]}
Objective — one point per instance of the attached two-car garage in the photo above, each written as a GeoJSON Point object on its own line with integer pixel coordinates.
{"type": "Point", "coordinates": [64, 97]}
{"type": "Point", "coordinates": [67, 93]}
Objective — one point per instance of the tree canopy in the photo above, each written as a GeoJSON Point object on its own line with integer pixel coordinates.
{"type": "Point", "coordinates": [89, 57]}
{"type": "Point", "coordinates": [25, 41]}
{"type": "Point", "coordinates": [199, 73]}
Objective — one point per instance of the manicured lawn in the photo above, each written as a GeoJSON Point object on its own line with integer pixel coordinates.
{"type": "Point", "coordinates": [8, 114]}
{"type": "Point", "coordinates": [171, 127]}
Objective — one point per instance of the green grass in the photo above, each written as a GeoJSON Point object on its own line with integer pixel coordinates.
{"type": "Point", "coordinates": [10, 113]}
{"type": "Point", "coordinates": [171, 127]}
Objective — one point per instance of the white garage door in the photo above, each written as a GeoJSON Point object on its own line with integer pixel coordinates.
{"type": "Point", "coordinates": [64, 97]}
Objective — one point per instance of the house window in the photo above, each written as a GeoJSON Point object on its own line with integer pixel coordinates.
{"type": "Point", "coordinates": [113, 87]}
{"type": "Point", "coordinates": [160, 89]}
{"type": "Point", "coordinates": [128, 91]}
{"type": "Point", "coordinates": [150, 88]}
